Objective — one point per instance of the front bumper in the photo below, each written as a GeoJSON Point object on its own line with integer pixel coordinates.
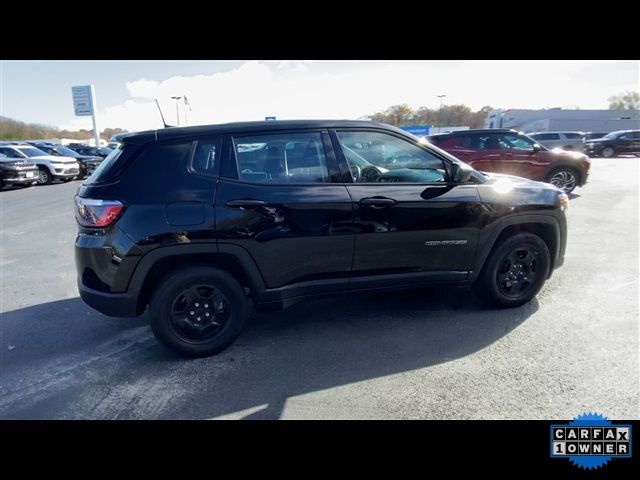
{"type": "Point", "coordinates": [66, 172]}
{"type": "Point", "coordinates": [87, 169]}
{"type": "Point", "coordinates": [19, 177]}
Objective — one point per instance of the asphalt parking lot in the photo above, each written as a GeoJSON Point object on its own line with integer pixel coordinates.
{"type": "Point", "coordinates": [421, 354]}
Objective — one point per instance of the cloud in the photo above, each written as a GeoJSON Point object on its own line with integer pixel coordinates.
{"type": "Point", "coordinates": [302, 89]}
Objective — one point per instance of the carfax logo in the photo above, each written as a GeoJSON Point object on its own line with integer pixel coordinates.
{"type": "Point", "coordinates": [590, 441]}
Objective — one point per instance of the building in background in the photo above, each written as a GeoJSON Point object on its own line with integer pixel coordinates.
{"type": "Point", "coordinates": [557, 119]}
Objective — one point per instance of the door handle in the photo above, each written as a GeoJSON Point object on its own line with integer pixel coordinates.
{"type": "Point", "coordinates": [378, 202]}
{"type": "Point", "coordinates": [245, 203]}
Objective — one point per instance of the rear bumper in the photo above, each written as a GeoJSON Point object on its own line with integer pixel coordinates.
{"type": "Point", "coordinates": [111, 304]}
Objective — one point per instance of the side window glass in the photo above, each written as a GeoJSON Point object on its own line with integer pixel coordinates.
{"type": "Point", "coordinates": [10, 153]}
{"type": "Point", "coordinates": [282, 158]}
{"type": "Point", "coordinates": [380, 157]}
{"type": "Point", "coordinates": [206, 157]}
{"type": "Point", "coordinates": [513, 142]}
{"type": "Point", "coordinates": [469, 141]}
{"type": "Point", "coordinates": [489, 142]}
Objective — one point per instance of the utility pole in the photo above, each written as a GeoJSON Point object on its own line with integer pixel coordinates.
{"type": "Point", "coordinates": [177, 111]}
{"type": "Point", "coordinates": [441, 97]}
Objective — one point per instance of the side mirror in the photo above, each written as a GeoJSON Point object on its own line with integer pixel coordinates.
{"type": "Point", "coordinates": [461, 172]}
{"type": "Point", "coordinates": [536, 148]}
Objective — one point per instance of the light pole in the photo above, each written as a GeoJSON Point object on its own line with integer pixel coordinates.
{"type": "Point", "coordinates": [177, 114]}
{"type": "Point", "coordinates": [441, 97]}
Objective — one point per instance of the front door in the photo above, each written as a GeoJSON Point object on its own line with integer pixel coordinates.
{"type": "Point", "coordinates": [282, 200]}
{"type": "Point", "coordinates": [409, 218]}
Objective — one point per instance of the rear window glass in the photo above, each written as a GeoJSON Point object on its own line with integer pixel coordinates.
{"type": "Point", "coordinates": [106, 170]}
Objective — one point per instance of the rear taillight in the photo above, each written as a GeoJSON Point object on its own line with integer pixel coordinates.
{"type": "Point", "coordinates": [97, 213]}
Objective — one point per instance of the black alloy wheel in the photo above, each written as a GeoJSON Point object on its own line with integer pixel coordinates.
{"type": "Point", "coordinates": [200, 313]}
{"type": "Point", "coordinates": [518, 271]}
{"type": "Point", "coordinates": [515, 271]}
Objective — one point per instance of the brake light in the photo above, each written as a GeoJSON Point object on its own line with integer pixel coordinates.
{"type": "Point", "coordinates": [97, 213]}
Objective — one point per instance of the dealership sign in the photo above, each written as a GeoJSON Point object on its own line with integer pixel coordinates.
{"type": "Point", "coordinates": [82, 100]}
{"type": "Point", "coordinates": [416, 129]}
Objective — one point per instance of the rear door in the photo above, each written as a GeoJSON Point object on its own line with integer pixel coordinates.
{"type": "Point", "coordinates": [410, 220]}
{"type": "Point", "coordinates": [280, 197]}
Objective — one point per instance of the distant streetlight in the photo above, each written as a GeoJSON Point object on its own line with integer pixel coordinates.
{"type": "Point", "coordinates": [177, 114]}
{"type": "Point", "coordinates": [441, 97]}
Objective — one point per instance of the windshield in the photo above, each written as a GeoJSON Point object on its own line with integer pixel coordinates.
{"type": "Point", "coordinates": [64, 151]}
{"type": "Point", "coordinates": [105, 151]}
{"type": "Point", "coordinates": [611, 136]}
{"type": "Point", "coordinates": [32, 151]}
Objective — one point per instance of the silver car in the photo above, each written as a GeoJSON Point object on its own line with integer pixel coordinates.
{"type": "Point", "coordinates": [563, 140]}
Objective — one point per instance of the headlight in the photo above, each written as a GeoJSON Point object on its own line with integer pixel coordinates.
{"type": "Point", "coordinates": [564, 201]}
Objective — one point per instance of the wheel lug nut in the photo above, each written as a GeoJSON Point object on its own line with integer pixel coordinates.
{"type": "Point", "coordinates": [192, 312]}
{"type": "Point", "coordinates": [196, 304]}
{"type": "Point", "coordinates": [206, 305]}
{"type": "Point", "coordinates": [206, 314]}
{"type": "Point", "coordinates": [198, 319]}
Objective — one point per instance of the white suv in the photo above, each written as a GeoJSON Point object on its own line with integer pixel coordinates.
{"type": "Point", "coordinates": [49, 167]}
{"type": "Point", "coordinates": [563, 140]}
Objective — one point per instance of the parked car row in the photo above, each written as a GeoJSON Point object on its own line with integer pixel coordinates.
{"type": "Point", "coordinates": [624, 142]}
{"type": "Point", "coordinates": [28, 163]}
{"type": "Point", "coordinates": [595, 144]}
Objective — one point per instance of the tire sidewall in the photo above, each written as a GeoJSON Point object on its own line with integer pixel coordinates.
{"type": "Point", "coordinates": [47, 173]}
{"type": "Point", "coordinates": [613, 152]}
{"type": "Point", "coordinates": [488, 283]}
{"type": "Point", "coordinates": [177, 281]}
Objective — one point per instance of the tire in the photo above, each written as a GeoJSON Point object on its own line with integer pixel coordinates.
{"type": "Point", "coordinates": [189, 333]}
{"type": "Point", "coordinates": [607, 152]}
{"type": "Point", "coordinates": [44, 176]}
{"type": "Point", "coordinates": [492, 285]}
{"type": "Point", "coordinates": [565, 178]}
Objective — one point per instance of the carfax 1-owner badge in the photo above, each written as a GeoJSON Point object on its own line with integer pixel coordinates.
{"type": "Point", "coordinates": [590, 440]}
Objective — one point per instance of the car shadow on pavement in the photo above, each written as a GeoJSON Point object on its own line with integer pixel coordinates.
{"type": "Point", "coordinates": [64, 360]}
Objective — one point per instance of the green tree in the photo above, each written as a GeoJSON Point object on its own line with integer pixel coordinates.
{"type": "Point", "coordinates": [448, 115]}
{"type": "Point", "coordinates": [625, 101]}
{"type": "Point", "coordinates": [11, 129]}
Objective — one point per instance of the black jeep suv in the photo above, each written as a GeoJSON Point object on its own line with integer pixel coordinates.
{"type": "Point", "coordinates": [195, 222]}
{"type": "Point", "coordinates": [623, 142]}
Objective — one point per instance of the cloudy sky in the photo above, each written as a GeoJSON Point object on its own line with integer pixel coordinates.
{"type": "Point", "coordinates": [222, 91]}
